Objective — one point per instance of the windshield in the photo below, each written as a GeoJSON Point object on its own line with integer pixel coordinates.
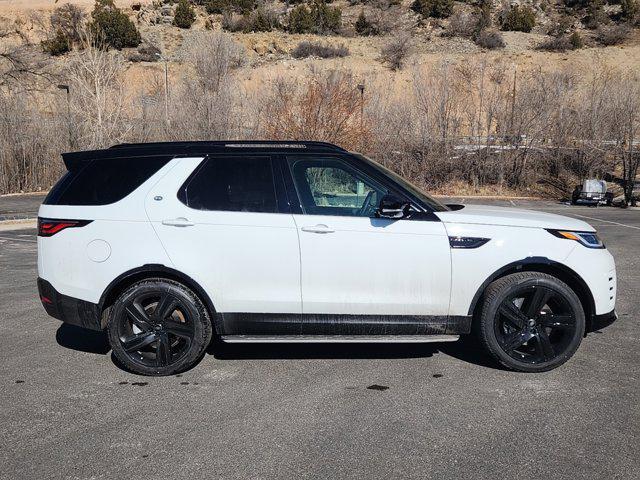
{"type": "Point", "coordinates": [435, 205]}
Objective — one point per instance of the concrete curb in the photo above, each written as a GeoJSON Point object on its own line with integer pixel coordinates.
{"type": "Point", "coordinates": [18, 224]}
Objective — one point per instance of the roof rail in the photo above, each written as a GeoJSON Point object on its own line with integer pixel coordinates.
{"type": "Point", "coordinates": [276, 144]}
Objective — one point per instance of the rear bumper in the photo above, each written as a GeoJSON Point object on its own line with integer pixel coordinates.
{"type": "Point", "coordinates": [68, 309]}
{"type": "Point", "coordinates": [601, 321]}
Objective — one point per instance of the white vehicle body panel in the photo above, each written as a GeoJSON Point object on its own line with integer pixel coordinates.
{"type": "Point", "coordinates": [64, 259]}
{"type": "Point", "coordinates": [246, 262]}
{"type": "Point", "coordinates": [372, 266]}
{"type": "Point", "coordinates": [512, 217]}
{"type": "Point", "coordinates": [520, 236]}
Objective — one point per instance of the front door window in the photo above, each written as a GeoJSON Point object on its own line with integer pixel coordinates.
{"type": "Point", "coordinates": [332, 187]}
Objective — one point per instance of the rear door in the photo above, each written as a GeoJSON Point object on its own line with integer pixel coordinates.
{"type": "Point", "coordinates": [376, 275]}
{"type": "Point", "coordinates": [223, 221]}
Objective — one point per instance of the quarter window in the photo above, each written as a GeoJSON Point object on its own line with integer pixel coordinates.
{"type": "Point", "coordinates": [233, 184]}
{"type": "Point", "coordinates": [332, 187]}
{"type": "Point", "coordinates": [104, 181]}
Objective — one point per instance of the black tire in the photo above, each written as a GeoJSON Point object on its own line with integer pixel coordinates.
{"type": "Point", "coordinates": [152, 342]}
{"type": "Point", "coordinates": [531, 322]}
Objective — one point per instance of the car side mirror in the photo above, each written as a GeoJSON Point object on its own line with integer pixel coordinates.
{"type": "Point", "coordinates": [393, 207]}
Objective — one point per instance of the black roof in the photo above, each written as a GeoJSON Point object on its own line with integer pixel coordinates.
{"type": "Point", "coordinates": [72, 159]}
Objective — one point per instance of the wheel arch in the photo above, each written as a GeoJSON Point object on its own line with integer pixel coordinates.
{"type": "Point", "coordinates": [542, 265]}
{"type": "Point", "coordinates": [128, 278]}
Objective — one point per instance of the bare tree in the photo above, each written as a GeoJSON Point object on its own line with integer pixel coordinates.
{"type": "Point", "coordinates": [21, 65]}
{"type": "Point", "coordinates": [203, 106]}
{"type": "Point", "coordinates": [214, 56]}
{"type": "Point", "coordinates": [98, 95]}
{"type": "Point", "coordinates": [70, 19]}
{"type": "Point", "coordinates": [625, 104]}
{"type": "Point", "coordinates": [324, 106]}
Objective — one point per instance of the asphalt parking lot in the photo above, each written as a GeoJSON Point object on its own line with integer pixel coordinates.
{"type": "Point", "coordinates": [305, 411]}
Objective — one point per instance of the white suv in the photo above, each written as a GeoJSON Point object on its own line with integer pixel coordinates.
{"type": "Point", "coordinates": [166, 244]}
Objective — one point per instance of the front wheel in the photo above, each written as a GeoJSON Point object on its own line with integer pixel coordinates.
{"type": "Point", "coordinates": [531, 322]}
{"type": "Point", "coordinates": [158, 327]}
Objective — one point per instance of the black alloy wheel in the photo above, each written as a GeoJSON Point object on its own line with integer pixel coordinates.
{"type": "Point", "coordinates": [535, 324]}
{"type": "Point", "coordinates": [158, 327]}
{"type": "Point", "coordinates": [531, 321]}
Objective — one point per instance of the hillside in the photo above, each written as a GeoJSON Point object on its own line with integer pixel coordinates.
{"type": "Point", "coordinates": [270, 52]}
{"type": "Point", "coordinates": [519, 98]}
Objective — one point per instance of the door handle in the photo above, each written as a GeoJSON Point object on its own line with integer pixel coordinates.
{"type": "Point", "coordinates": [178, 222]}
{"type": "Point", "coordinates": [320, 228]}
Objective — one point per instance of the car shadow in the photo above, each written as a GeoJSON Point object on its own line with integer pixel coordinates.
{"type": "Point", "coordinates": [468, 349]}
{"type": "Point", "coordinates": [298, 351]}
{"type": "Point", "coordinates": [82, 339]}
{"type": "Point", "coordinates": [465, 349]}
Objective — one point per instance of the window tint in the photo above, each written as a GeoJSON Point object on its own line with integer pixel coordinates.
{"type": "Point", "coordinates": [104, 181]}
{"type": "Point", "coordinates": [332, 187]}
{"type": "Point", "coordinates": [235, 184]}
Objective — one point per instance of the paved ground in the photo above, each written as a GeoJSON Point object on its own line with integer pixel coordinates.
{"type": "Point", "coordinates": [305, 411]}
{"type": "Point", "coordinates": [17, 207]}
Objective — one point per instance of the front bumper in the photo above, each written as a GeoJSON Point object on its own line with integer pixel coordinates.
{"type": "Point", "coordinates": [599, 322]}
{"type": "Point", "coordinates": [68, 309]}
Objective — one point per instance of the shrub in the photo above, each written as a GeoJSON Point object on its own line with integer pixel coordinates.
{"type": "Point", "coordinates": [244, 6]}
{"type": "Point", "coordinates": [314, 49]}
{"type": "Point", "coordinates": [556, 44]}
{"type": "Point", "coordinates": [69, 19]}
{"type": "Point", "coordinates": [363, 26]}
{"type": "Point", "coordinates": [113, 27]}
{"type": "Point", "coordinates": [519, 19]}
{"type": "Point", "coordinates": [612, 35]}
{"type": "Point", "coordinates": [319, 18]}
{"type": "Point", "coordinates": [57, 45]}
{"type": "Point", "coordinates": [260, 20]}
{"type": "Point", "coordinates": [221, 6]}
{"type": "Point", "coordinates": [184, 15]}
{"type": "Point", "coordinates": [576, 40]}
{"type": "Point", "coordinates": [462, 24]}
{"type": "Point", "coordinates": [395, 51]}
{"type": "Point", "coordinates": [146, 53]}
{"type": "Point", "coordinates": [484, 19]}
{"type": "Point", "coordinates": [561, 27]}
{"type": "Point", "coordinates": [577, 4]}
{"type": "Point", "coordinates": [433, 8]}
{"type": "Point", "coordinates": [301, 20]}
{"type": "Point", "coordinates": [217, 6]}
{"type": "Point", "coordinates": [596, 15]}
{"type": "Point", "coordinates": [327, 19]}
{"type": "Point", "coordinates": [490, 38]}
{"type": "Point", "coordinates": [630, 8]}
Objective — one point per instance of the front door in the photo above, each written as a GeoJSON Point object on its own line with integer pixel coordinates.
{"type": "Point", "coordinates": [362, 274]}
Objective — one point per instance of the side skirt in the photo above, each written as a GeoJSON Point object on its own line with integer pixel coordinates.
{"type": "Point", "coordinates": [338, 338]}
{"type": "Point", "coordinates": [332, 324]}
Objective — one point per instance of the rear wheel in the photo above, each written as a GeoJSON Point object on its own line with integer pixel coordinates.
{"type": "Point", "coordinates": [158, 327]}
{"type": "Point", "coordinates": [531, 322]}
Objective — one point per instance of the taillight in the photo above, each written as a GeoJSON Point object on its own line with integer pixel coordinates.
{"type": "Point", "coordinates": [49, 226]}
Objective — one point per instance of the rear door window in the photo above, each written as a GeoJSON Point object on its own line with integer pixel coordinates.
{"type": "Point", "coordinates": [104, 181]}
{"type": "Point", "coordinates": [232, 184]}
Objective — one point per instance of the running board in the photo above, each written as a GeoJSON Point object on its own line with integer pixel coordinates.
{"type": "Point", "coordinates": [338, 338]}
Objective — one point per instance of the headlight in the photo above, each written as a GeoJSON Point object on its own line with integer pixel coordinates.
{"type": "Point", "coordinates": [588, 239]}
